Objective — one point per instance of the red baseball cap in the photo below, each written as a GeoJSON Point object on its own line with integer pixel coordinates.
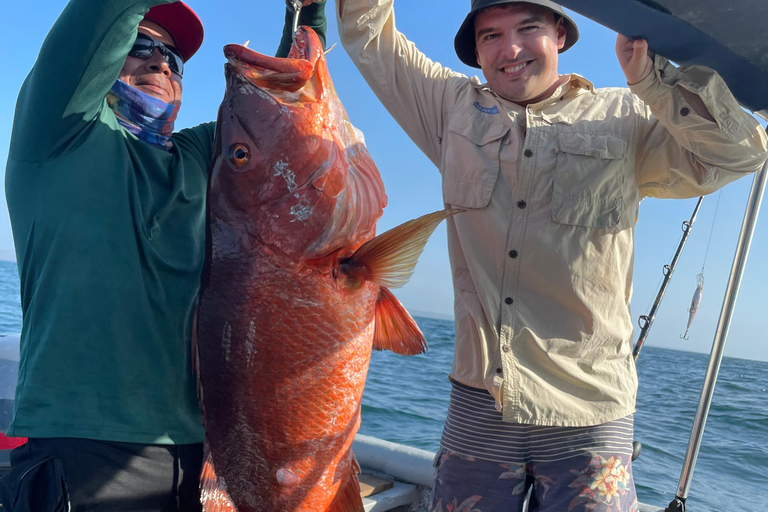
{"type": "Point", "coordinates": [182, 23]}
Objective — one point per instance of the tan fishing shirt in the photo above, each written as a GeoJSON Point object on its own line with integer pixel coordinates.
{"type": "Point", "coordinates": [542, 258]}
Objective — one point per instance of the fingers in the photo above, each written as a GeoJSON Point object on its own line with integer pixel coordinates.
{"type": "Point", "coordinates": [621, 41]}
{"type": "Point", "coordinates": [624, 50]}
{"type": "Point", "coordinates": [304, 3]}
{"type": "Point", "coordinates": [624, 43]}
{"type": "Point", "coordinates": [634, 58]}
{"type": "Point", "coordinates": [639, 47]}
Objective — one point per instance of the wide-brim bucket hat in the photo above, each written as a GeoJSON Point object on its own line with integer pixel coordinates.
{"type": "Point", "coordinates": [182, 23]}
{"type": "Point", "coordinates": [464, 42]}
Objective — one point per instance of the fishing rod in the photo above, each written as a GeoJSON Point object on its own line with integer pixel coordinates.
{"type": "Point", "coordinates": [645, 321]}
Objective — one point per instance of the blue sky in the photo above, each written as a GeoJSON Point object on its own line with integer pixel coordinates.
{"type": "Point", "coordinates": [413, 183]}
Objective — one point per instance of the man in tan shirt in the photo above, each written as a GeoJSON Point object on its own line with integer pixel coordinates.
{"type": "Point", "coordinates": [550, 172]}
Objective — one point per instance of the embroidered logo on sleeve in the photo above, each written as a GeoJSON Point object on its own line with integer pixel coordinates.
{"type": "Point", "coordinates": [493, 110]}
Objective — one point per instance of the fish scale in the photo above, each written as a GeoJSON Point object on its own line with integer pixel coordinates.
{"type": "Point", "coordinates": [307, 408]}
{"type": "Point", "coordinates": [293, 297]}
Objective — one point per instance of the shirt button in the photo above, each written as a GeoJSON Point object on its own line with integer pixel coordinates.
{"type": "Point", "coordinates": [498, 370]}
{"type": "Point", "coordinates": [685, 111]}
{"type": "Point", "coordinates": [509, 300]}
{"type": "Point", "coordinates": [521, 204]}
{"type": "Point", "coordinates": [528, 152]}
{"type": "Point", "coordinates": [506, 348]}
{"type": "Point", "coordinates": [513, 253]}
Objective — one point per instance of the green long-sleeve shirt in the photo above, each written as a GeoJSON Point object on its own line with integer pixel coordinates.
{"type": "Point", "coordinates": [109, 235]}
{"type": "Point", "coordinates": [312, 16]}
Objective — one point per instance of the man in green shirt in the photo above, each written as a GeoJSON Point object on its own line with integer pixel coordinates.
{"type": "Point", "coordinates": [107, 206]}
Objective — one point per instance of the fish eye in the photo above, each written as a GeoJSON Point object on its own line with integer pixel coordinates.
{"type": "Point", "coordinates": [239, 154]}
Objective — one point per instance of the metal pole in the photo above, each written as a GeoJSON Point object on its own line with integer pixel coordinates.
{"type": "Point", "coordinates": [645, 321]}
{"type": "Point", "coordinates": [296, 5]}
{"type": "Point", "coordinates": [732, 290]}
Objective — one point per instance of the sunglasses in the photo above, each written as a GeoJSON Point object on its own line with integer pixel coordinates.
{"type": "Point", "coordinates": [144, 48]}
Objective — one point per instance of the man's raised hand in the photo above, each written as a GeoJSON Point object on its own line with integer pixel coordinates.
{"type": "Point", "coordinates": [290, 3]}
{"type": "Point", "coordinates": [634, 58]}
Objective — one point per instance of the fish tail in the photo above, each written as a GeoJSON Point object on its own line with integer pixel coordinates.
{"type": "Point", "coordinates": [395, 329]}
{"type": "Point", "coordinates": [213, 492]}
{"type": "Point", "coordinates": [347, 498]}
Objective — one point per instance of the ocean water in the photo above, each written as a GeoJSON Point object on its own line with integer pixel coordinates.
{"type": "Point", "coordinates": [10, 301]}
{"type": "Point", "coordinates": [406, 400]}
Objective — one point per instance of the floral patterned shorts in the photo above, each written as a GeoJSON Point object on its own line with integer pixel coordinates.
{"type": "Point", "coordinates": [599, 483]}
{"type": "Point", "coordinates": [584, 469]}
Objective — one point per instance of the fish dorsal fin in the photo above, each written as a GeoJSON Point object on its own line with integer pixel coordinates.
{"type": "Point", "coordinates": [347, 498]}
{"type": "Point", "coordinates": [213, 492]}
{"type": "Point", "coordinates": [395, 329]}
{"type": "Point", "coordinates": [390, 258]}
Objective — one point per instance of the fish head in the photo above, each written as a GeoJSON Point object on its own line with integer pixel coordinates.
{"type": "Point", "coordinates": [290, 172]}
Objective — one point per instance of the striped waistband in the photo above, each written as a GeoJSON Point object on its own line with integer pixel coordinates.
{"type": "Point", "coordinates": [474, 427]}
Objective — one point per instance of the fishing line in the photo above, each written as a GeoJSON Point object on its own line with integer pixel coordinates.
{"type": "Point", "coordinates": [658, 283]}
{"type": "Point", "coordinates": [645, 321]}
{"type": "Point", "coordinates": [652, 298]}
{"type": "Point", "coordinates": [696, 300]}
{"type": "Point", "coordinates": [711, 231]}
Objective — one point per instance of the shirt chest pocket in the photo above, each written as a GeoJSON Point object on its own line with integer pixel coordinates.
{"type": "Point", "coordinates": [589, 180]}
{"type": "Point", "coordinates": [472, 144]}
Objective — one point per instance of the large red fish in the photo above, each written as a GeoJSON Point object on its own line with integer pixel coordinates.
{"type": "Point", "coordinates": [294, 291]}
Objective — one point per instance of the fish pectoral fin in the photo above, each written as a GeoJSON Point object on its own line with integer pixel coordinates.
{"type": "Point", "coordinates": [395, 329]}
{"type": "Point", "coordinates": [391, 257]}
{"type": "Point", "coordinates": [347, 498]}
{"type": "Point", "coordinates": [213, 492]}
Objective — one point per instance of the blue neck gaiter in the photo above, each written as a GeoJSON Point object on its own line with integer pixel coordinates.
{"type": "Point", "coordinates": [145, 116]}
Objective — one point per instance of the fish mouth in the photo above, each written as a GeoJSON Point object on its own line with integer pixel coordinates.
{"type": "Point", "coordinates": [283, 74]}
